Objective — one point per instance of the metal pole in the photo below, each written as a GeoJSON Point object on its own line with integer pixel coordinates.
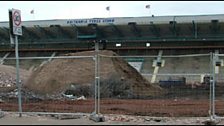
{"type": "Point", "coordinates": [95, 91]}
{"type": "Point", "coordinates": [96, 76]}
{"type": "Point", "coordinates": [18, 82]}
{"type": "Point", "coordinates": [96, 116]}
{"type": "Point", "coordinates": [210, 84]}
{"type": "Point", "coordinates": [213, 85]}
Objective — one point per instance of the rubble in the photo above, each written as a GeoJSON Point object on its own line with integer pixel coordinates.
{"type": "Point", "coordinates": [81, 98]}
{"type": "Point", "coordinates": [1, 113]}
{"type": "Point", "coordinates": [72, 97]}
{"type": "Point", "coordinates": [8, 87]}
{"type": "Point", "coordinates": [6, 80]}
{"type": "Point", "coordinates": [123, 118]}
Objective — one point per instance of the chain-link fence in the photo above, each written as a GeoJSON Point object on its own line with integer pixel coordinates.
{"type": "Point", "coordinates": [158, 85]}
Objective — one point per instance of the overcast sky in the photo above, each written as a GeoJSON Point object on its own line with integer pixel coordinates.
{"type": "Point", "coordinates": [44, 10]}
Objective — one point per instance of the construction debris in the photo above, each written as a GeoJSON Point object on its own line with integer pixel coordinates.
{"type": "Point", "coordinates": [1, 113]}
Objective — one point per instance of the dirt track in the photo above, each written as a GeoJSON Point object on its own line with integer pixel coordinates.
{"type": "Point", "coordinates": [159, 108]}
{"type": "Point", "coordinates": [125, 112]}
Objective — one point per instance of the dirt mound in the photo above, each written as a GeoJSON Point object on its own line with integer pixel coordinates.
{"type": "Point", "coordinates": [60, 75]}
{"type": "Point", "coordinates": [8, 77]}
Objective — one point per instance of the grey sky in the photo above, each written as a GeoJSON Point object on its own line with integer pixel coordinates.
{"type": "Point", "coordinates": [44, 10]}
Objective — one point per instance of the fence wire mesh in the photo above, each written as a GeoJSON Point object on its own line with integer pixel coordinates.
{"type": "Point", "coordinates": [218, 86]}
{"type": "Point", "coordinates": [59, 84]}
{"type": "Point", "coordinates": [174, 85]}
{"type": "Point", "coordinates": [155, 86]}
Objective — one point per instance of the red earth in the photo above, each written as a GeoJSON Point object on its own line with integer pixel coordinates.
{"type": "Point", "coordinates": [155, 107]}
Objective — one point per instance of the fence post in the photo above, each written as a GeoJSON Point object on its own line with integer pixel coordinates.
{"type": "Point", "coordinates": [98, 79]}
{"type": "Point", "coordinates": [96, 76]}
{"type": "Point", "coordinates": [96, 115]}
{"type": "Point", "coordinates": [210, 85]}
{"type": "Point", "coordinates": [214, 58]}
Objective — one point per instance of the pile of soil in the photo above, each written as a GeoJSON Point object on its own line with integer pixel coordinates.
{"type": "Point", "coordinates": [59, 75]}
{"type": "Point", "coordinates": [8, 77]}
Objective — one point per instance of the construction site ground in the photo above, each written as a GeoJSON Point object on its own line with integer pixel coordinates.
{"type": "Point", "coordinates": [192, 107]}
{"type": "Point", "coordinates": [157, 108]}
{"type": "Point", "coordinates": [110, 119]}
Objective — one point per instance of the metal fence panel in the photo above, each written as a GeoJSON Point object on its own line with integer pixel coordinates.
{"type": "Point", "coordinates": [218, 75]}
{"type": "Point", "coordinates": [52, 84]}
{"type": "Point", "coordinates": [174, 86]}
